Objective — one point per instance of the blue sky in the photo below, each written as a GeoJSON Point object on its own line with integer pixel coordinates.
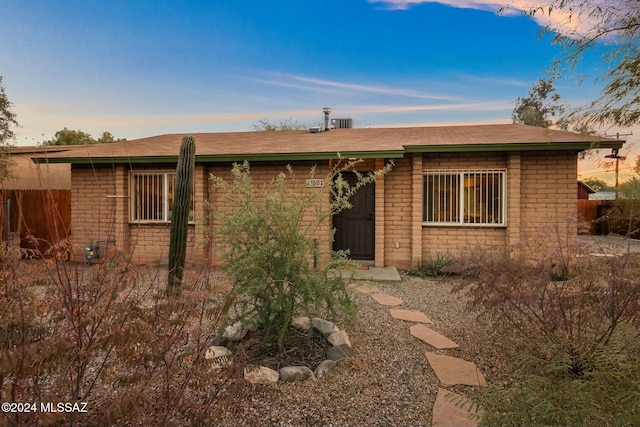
{"type": "Point", "coordinates": [141, 68]}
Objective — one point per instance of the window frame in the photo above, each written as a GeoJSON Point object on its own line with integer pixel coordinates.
{"type": "Point", "coordinates": [460, 175]}
{"type": "Point", "coordinates": [167, 194]}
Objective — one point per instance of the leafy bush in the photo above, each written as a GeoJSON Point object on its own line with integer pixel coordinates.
{"type": "Point", "coordinates": [271, 237]}
{"type": "Point", "coordinates": [575, 322]}
{"type": "Point", "coordinates": [434, 266]}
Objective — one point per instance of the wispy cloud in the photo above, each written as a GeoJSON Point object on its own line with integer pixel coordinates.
{"type": "Point", "coordinates": [469, 106]}
{"type": "Point", "coordinates": [557, 20]}
{"type": "Point", "coordinates": [311, 83]}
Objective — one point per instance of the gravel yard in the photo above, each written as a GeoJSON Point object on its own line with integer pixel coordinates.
{"type": "Point", "coordinates": [388, 381]}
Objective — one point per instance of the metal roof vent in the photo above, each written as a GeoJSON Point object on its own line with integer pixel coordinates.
{"type": "Point", "coordinates": [326, 111]}
{"type": "Point", "coordinates": [341, 123]}
{"type": "Point", "coordinates": [315, 129]}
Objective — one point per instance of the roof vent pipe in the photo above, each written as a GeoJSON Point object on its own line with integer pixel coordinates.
{"type": "Point", "coordinates": [326, 111]}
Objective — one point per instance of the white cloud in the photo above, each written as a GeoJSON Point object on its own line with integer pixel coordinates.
{"type": "Point", "coordinates": [559, 21]}
{"type": "Point", "coordinates": [311, 83]}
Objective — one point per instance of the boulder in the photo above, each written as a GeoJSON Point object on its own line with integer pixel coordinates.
{"type": "Point", "coordinates": [301, 323]}
{"type": "Point", "coordinates": [296, 373]}
{"type": "Point", "coordinates": [339, 352]}
{"type": "Point", "coordinates": [325, 327]}
{"type": "Point", "coordinates": [260, 375]}
{"type": "Point", "coordinates": [216, 351]}
{"type": "Point", "coordinates": [221, 356]}
{"type": "Point", "coordinates": [324, 368]}
{"type": "Point", "coordinates": [235, 332]}
{"type": "Point", "coordinates": [338, 338]}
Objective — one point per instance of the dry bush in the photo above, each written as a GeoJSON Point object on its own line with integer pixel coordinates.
{"type": "Point", "coordinates": [106, 335]}
{"type": "Point", "coordinates": [575, 321]}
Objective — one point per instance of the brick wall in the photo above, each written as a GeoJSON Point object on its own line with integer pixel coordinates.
{"type": "Point", "coordinates": [100, 213]}
{"type": "Point", "coordinates": [455, 239]}
{"type": "Point", "coordinates": [398, 198]}
{"type": "Point", "coordinates": [93, 208]}
{"type": "Point", "coordinates": [263, 174]}
{"type": "Point", "coordinates": [540, 195]}
{"type": "Point", "coordinates": [540, 200]}
{"type": "Point", "coordinates": [549, 196]}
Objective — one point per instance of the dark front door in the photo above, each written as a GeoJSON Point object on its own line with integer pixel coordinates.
{"type": "Point", "coordinates": [355, 227]}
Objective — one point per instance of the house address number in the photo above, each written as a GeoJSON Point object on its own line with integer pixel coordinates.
{"type": "Point", "coordinates": [315, 183]}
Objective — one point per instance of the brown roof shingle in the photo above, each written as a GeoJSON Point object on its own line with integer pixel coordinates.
{"type": "Point", "coordinates": [362, 142]}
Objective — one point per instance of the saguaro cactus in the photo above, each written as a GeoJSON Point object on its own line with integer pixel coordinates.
{"type": "Point", "coordinates": [180, 214]}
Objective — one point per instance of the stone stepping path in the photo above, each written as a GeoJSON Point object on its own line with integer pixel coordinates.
{"type": "Point", "coordinates": [449, 409]}
{"type": "Point", "coordinates": [410, 315]}
{"type": "Point", "coordinates": [451, 370]}
{"type": "Point", "coordinates": [385, 299]}
{"type": "Point", "coordinates": [367, 289]}
{"type": "Point", "coordinates": [452, 409]}
{"type": "Point", "coordinates": [432, 338]}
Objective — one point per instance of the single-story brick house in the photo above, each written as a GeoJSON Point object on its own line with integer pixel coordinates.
{"type": "Point", "coordinates": [452, 187]}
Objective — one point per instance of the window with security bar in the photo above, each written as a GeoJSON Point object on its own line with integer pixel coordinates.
{"type": "Point", "coordinates": [464, 197]}
{"type": "Point", "coordinates": [151, 196]}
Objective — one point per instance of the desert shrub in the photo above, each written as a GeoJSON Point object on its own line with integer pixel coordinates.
{"type": "Point", "coordinates": [271, 239]}
{"type": "Point", "coordinates": [434, 266]}
{"type": "Point", "coordinates": [106, 335]}
{"type": "Point", "coordinates": [624, 218]}
{"type": "Point", "coordinates": [575, 322]}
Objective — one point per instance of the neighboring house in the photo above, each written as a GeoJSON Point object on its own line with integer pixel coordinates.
{"type": "Point", "coordinates": [451, 188]}
{"type": "Point", "coordinates": [589, 210]}
{"type": "Point", "coordinates": [603, 195]}
{"type": "Point", "coordinates": [27, 175]}
{"type": "Point", "coordinates": [584, 191]}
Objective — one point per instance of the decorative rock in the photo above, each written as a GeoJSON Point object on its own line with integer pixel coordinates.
{"type": "Point", "coordinates": [409, 315]}
{"type": "Point", "coordinates": [301, 323]}
{"type": "Point", "coordinates": [339, 338]}
{"type": "Point", "coordinates": [296, 373]}
{"type": "Point", "coordinates": [260, 375]}
{"type": "Point", "coordinates": [325, 327]}
{"type": "Point", "coordinates": [324, 368]}
{"type": "Point", "coordinates": [451, 409]}
{"type": "Point", "coordinates": [431, 337]}
{"type": "Point", "coordinates": [235, 332]}
{"type": "Point", "coordinates": [385, 299]}
{"type": "Point", "coordinates": [216, 351]}
{"type": "Point", "coordinates": [339, 352]}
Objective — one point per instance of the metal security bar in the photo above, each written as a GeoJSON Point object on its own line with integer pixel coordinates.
{"type": "Point", "coordinates": [441, 197]}
{"type": "Point", "coordinates": [151, 195]}
{"type": "Point", "coordinates": [464, 197]}
{"type": "Point", "coordinates": [148, 196]}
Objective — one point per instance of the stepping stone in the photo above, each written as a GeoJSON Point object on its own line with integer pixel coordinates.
{"type": "Point", "coordinates": [451, 370]}
{"type": "Point", "coordinates": [385, 299]}
{"type": "Point", "coordinates": [409, 315]}
{"type": "Point", "coordinates": [452, 409]}
{"type": "Point", "coordinates": [432, 338]}
{"type": "Point", "coordinates": [367, 289]}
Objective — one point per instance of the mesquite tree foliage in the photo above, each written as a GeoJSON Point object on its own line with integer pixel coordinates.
{"type": "Point", "coordinates": [180, 214]}
{"type": "Point", "coordinates": [271, 233]}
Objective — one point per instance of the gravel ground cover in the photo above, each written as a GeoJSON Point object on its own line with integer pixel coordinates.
{"type": "Point", "coordinates": [388, 381]}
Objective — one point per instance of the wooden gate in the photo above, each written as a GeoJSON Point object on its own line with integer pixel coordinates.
{"type": "Point", "coordinates": [40, 218]}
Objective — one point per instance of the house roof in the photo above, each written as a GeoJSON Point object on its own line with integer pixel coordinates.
{"type": "Point", "coordinates": [361, 142]}
{"type": "Point", "coordinates": [587, 188]}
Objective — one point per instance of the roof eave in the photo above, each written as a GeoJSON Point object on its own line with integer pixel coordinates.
{"type": "Point", "coordinates": [515, 146]}
{"type": "Point", "coordinates": [225, 158]}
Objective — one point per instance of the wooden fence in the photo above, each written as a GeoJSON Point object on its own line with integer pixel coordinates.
{"type": "Point", "coordinates": [590, 213]}
{"type": "Point", "coordinates": [40, 218]}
